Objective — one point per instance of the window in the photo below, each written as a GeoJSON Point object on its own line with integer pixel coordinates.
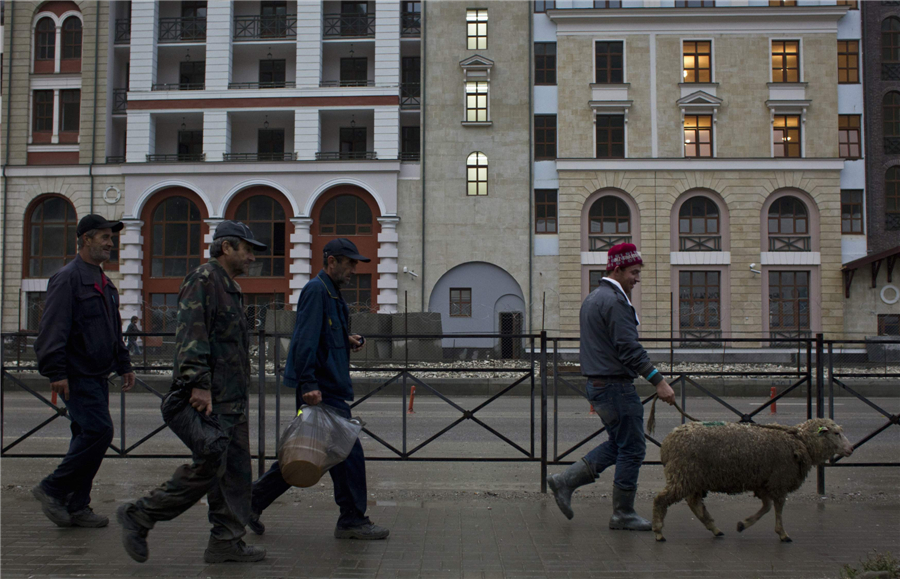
{"type": "Point", "coordinates": [892, 199]}
{"type": "Point", "coordinates": [698, 136]}
{"type": "Point", "coordinates": [698, 225]}
{"type": "Point", "coordinates": [71, 38]}
{"type": "Point", "coordinates": [51, 236]}
{"type": "Point", "coordinates": [890, 106]}
{"type": "Point", "coordinates": [353, 140]}
{"type": "Point", "coordinates": [355, 20]}
{"type": "Point", "coordinates": [786, 133]}
{"type": "Point", "coordinates": [272, 73]}
{"type": "Point", "coordinates": [460, 302]}
{"type": "Point", "coordinates": [848, 136]}
{"type": "Point", "coordinates": [544, 137]}
{"type": "Point", "coordinates": [193, 9]}
{"type": "Point", "coordinates": [788, 225]}
{"type": "Point", "coordinates": [608, 62]}
{"type": "Point", "coordinates": [346, 215]}
{"type": "Point", "coordinates": [358, 293]}
{"type": "Point", "coordinates": [697, 56]}
{"type": "Point", "coordinates": [890, 40]}
{"type": "Point", "coordinates": [273, 18]}
{"type": "Point", "coordinates": [265, 218]}
{"type": "Point", "coordinates": [175, 238]}
{"type": "Point", "coordinates": [785, 61]}
{"type": "Point", "coordinates": [477, 174]}
{"type": "Point", "coordinates": [69, 110]}
{"type": "Point", "coordinates": [476, 29]}
{"type": "Point", "coordinates": [544, 5]}
{"type": "Point", "coordinates": [193, 14]}
{"type": "Point", "coordinates": [45, 40]}
{"type": "Point", "coordinates": [851, 211]}
{"type": "Point", "coordinates": [476, 102]}
{"type": "Point", "coordinates": [607, 3]}
{"type": "Point", "coordinates": [354, 71]}
{"type": "Point", "coordinates": [609, 223]}
{"type": "Point", "coordinates": [782, 2]}
{"type": "Point", "coordinates": [545, 210]}
{"type": "Point", "coordinates": [610, 136]}
{"type": "Point", "coordinates": [848, 61]}
{"type": "Point", "coordinates": [594, 277]}
{"type": "Point", "coordinates": [192, 75]}
{"type": "Point", "coordinates": [699, 303]}
{"type": "Point", "coordinates": [409, 141]}
{"type": "Point", "coordinates": [190, 144]}
{"type": "Point", "coordinates": [695, 3]}
{"type": "Point", "coordinates": [43, 111]}
{"type": "Point", "coordinates": [270, 144]}
{"type": "Point", "coordinates": [544, 63]}
{"type": "Point", "coordinates": [789, 302]}
{"type": "Point", "coordinates": [853, 4]}
{"type": "Point", "coordinates": [889, 324]}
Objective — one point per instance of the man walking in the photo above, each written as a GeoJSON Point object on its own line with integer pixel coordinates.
{"type": "Point", "coordinates": [212, 360]}
{"type": "Point", "coordinates": [79, 343]}
{"type": "Point", "coordinates": [132, 339]}
{"type": "Point", "coordinates": [611, 358]}
{"type": "Point", "coordinates": [318, 366]}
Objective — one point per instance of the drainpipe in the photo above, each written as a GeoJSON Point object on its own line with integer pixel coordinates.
{"type": "Point", "coordinates": [94, 128]}
{"type": "Point", "coordinates": [531, 173]}
{"type": "Point", "coordinates": [10, 74]}
{"type": "Point", "coordinates": [423, 156]}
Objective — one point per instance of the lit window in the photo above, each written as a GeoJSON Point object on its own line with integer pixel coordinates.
{"type": "Point", "coordinates": [786, 133]}
{"type": "Point", "coordinates": [698, 136]}
{"type": "Point", "coordinates": [477, 174]}
{"type": "Point", "coordinates": [476, 101]}
{"type": "Point", "coordinates": [697, 61]}
{"type": "Point", "coordinates": [785, 61]}
{"type": "Point", "coordinates": [476, 29]}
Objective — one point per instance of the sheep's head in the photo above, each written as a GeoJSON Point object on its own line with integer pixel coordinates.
{"type": "Point", "coordinates": [830, 439]}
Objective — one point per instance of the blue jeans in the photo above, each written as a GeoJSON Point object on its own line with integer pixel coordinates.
{"type": "Point", "coordinates": [620, 409]}
{"type": "Point", "coordinates": [92, 431]}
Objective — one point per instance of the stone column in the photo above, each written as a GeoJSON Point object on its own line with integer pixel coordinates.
{"type": "Point", "coordinates": [56, 104]}
{"type": "Point", "coordinates": [306, 133]}
{"type": "Point", "coordinates": [216, 135]}
{"type": "Point", "coordinates": [309, 43]}
{"type": "Point", "coordinates": [387, 43]}
{"type": "Point", "coordinates": [208, 239]}
{"type": "Point", "coordinates": [219, 26]}
{"type": "Point", "coordinates": [301, 254]}
{"type": "Point", "coordinates": [387, 133]}
{"type": "Point", "coordinates": [144, 33]}
{"type": "Point", "coordinates": [131, 266]}
{"type": "Point", "coordinates": [387, 265]}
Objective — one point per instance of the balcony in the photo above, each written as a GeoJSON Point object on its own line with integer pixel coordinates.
{"type": "Point", "coordinates": [338, 83]}
{"type": "Point", "coordinates": [410, 156]}
{"type": "Point", "coordinates": [261, 85]}
{"type": "Point", "coordinates": [123, 31]}
{"type": "Point", "coordinates": [348, 26]}
{"type": "Point", "coordinates": [789, 243]}
{"type": "Point", "coordinates": [346, 156]}
{"type": "Point", "coordinates": [182, 30]}
{"type": "Point", "coordinates": [115, 159]}
{"type": "Point", "coordinates": [259, 157]}
{"type": "Point", "coordinates": [264, 27]}
{"type": "Point", "coordinates": [411, 25]}
{"type": "Point", "coordinates": [410, 95]}
{"type": "Point", "coordinates": [176, 158]}
{"type": "Point", "coordinates": [179, 86]}
{"type": "Point", "coordinates": [604, 242]}
{"type": "Point", "coordinates": [120, 101]}
{"type": "Point", "coordinates": [700, 243]}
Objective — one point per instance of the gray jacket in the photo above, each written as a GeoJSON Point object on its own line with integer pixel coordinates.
{"type": "Point", "coordinates": [609, 337]}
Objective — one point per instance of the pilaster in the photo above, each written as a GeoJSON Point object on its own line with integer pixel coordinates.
{"type": "Point", "coordinates": [388, 241]}
{"type": "Point", "coordinates": [301, 262]}
{"type": "Point", "coordinates": [131, 266]}
{"type": "Point", "coordinates": [309, 43]}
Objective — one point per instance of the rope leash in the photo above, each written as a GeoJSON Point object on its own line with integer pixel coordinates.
{"type": "Point", "coordinates": [651, 419]}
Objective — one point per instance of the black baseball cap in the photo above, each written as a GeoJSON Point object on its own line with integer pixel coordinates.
{"type": "Point", "coordinates": [239, 230]}
{"type": "Point", "coordinates": [345, 247]}
{"type": "Point", "coordinates": [92, 221]}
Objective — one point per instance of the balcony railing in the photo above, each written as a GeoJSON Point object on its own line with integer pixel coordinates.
{"type": "Point", "coordinates": [348, 25]}
{"type": "Point", "coordinates": [410, 95]}
{"type": "Point", "coordinates": [892, 145]}
{"type": "Point", "coordinates": [411, 24]}
{"type": "Point", "coordinates": [407, 156]}
{"type": "Point", "coordinates": [346, 155]}
{"type": "Point", "coordinates": [265, 27]}
{"type": "Point", "coordinates": [182, 29]}
{"type": "Point", "coordinates": [179, 86]}
{"type": "Point", "coordinates": [176, 158]}
{"type": "Point", "coordinates": [123, 30]}
{"type": "Point", "coordinates": [120, 100]}
{"type": "Point", "coordinates": [890, 71]}
{"type": "Point", "coordinates": [256, 85]}
{"type": "Point", "coordinates": [259, 157]}
{"type": "Point", "coordinates": [334, 83]}
{"type": "Point", "coordinates": [703, 337]}
{"type": "Point", "coordinates": [892, 221]}
{"type": "Point", "coordinates": [115, 159]}
{"type": "Point", "coordinates": [700, 243]}
{"type": "Point", "coordinates": [604, 242]}
{"type": "Point", "coordinates": [789, 243]}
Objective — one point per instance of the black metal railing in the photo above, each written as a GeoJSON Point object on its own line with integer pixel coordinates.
{"type": "Point", "coordinates": [411, 24]}
{"type": "Point", "coordinates": [123, 31]}
{"type": "Point", "coordinates": [259, 157]}
{"type": "Point", "coordinates": [176, 158]}
{"type": "Point", "coordinates": [261, 85]}
{"type": "Point", "coordinates": [410, 95]}
{"type": "Point", "coordinates": [790, 243]}
{"type": "Point", "coordinates": [265, 27]}
{"type": "Point", "coordinates": [182, 30]}
{"type": "Point", "coordinates": [179, 86]}
{"type": "Point", "coordinates": [339, 83]}
{"type": "Point", "coordinates": [890, 71]}
{"type": "Point", "coordinates": [115, 159]}
{"type": "Point", "coordinates": [892, 145]}
{"type": "Point", "coordinates": [604, 242]}
{"type": "Point", "coordinates": [892, 221]}
{"type": "Point", "coordinates": [410, 156]}
{"type": "Point", "coordinates": [348, 25]}
{"type": "Point", "coordinates": [345, 155]}
{"type": "Point", "coordinates": [700, 243]}
{"type": "Point", "coordinates": [120, 100]}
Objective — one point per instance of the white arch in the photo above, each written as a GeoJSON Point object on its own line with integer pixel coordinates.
{"type": "Point", "coordinates": [146, 195]}
{"type": "Point", "coordinates": [307, 211]}
{"type": "Point", "coordinates": [257, 183]}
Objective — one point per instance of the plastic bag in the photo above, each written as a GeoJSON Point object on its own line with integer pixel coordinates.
{"type": "Point", "coordinates": [316, 440]}
{"type": "Point", "coordinates": [201, 433]}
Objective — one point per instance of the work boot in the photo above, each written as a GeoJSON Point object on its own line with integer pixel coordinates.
{"type": "Point", "coordinates": [365, 532]}
{"type": "Point", "coordinates": [564, 484]}
{"type": "Point", "coordinates": [624, 517]}
{"type": "Point", "coordinates": [255, 524]}
{"type": "Point", "coordinates": [53, 508]}
{"type": "Point", "coordinates": [134, 535]}
{"type": "Point", "coordinates": [86, 517]}
{"type": "Point", "coordinates": [236, 551]}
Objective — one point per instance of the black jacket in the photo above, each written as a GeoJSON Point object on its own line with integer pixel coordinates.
{"type": "Point", "coordinates": [81, 329]}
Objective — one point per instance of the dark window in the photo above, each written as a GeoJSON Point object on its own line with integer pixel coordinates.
{"type": "Point", "coordinates": [476, 29]}
{"type": "Point", "coordinates": [273, 18]}
{"type": "Point", "coordinates": [848, 61]}
{"type": "Point", "coordinates": [176, 237]}
{"type": "Point", "coordinates": [699, 300]}
{"type": "Point", "coordinates": [786, 134]}
{"type": "Point", "coordinates": [610, 136]}
{"type": "Point", "coordinates": [477, 174]}
{"type": "Point", "coordinates": [265, 218]}
{"type": "Point", "coordinates": [788, 301]}
{"type": "Point", "coordinates": [354, 8]}
{"type": "Point", "coordinates": [43, 111]}
{"type": "Point", "coordinates": [788, 225]}
{"type": "Point", "coordinates": [192, 75]}
{"type": "Point", "coordinates": [476, 102]}
{"type": "Point", "coordinates": [782, 2]}
{"type": "Point", "coordinates": [890, 40]}
{"type": "Point", "coordinates": [460, 302]}
{"type": "Point", "coordinates": [354, 71]}
{"type": "Point", "coordinates": [609, 216]}
{"type": "Point", "coordinates": [409, 140]}
{"type": "Point", "coordinates": [594, 277]}
{"type": "Point", "coordinates": [544, 63]}
{"type": "Point", "coordinates": [607, 3]}
{"type": "Point", "coordinates": [695, 3]}
{"type": "Point", "coordinates": [889, 324]}
{"type": "Point", "coordinates": [411, 71]}
{"type": "Point", "coordinates": [848, 136]}
{"type": "Point", "coordinates": [270, 142]}
{"type": "Point", "coordinates": [608, 62]}
{"type": "Point", "coordinates": [69, 110]}
{"type": "Point", "coordinates": [45, 40]}
{"type": "Point", "coordinates": [697, 56]}
{"type": "Point", "coordinates": [51, 237]}
{"type": "Point", "coordinates": [699, 225]}
{"type": "Point", "coordinates": [353, 139]}
{"type": "Point", "coordinates": [272, 73]}
{"type": "Point", "coordinates": [891, 114]}
{"type": "Point", "coordinates": [785, 61]}
{"type": "Point", "coordinates": [163, 313]}
{"type": "Point", "coordinates": [193, 9]}
{"type": "Point", "coordinates": [544, 137]}
{"type": "Point", "coordinates": [892, 199]}
{"type": "Point", "coordinates": [71, 38]}
{"type": "Point", "coordinates": [346, 215]}
{"type": "Point", "coordinates": [852, 211]}
{"type": "Point", "coordinates": [190, 143]}
{"type": "Point", "coordinates": [544, 5]}
{"type": "Point", "coordinates": [358, 293]}
{"type": "Point", "coordinates": [698, 136]}
{"type": "Point", "coordinates": [545, 210]}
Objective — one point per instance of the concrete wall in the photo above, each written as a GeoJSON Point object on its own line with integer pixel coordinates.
{"type": "Point", "coordinates": [865, 304]}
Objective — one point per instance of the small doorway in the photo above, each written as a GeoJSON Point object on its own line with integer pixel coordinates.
{"type": "Point", "coordinates": [510, 325]}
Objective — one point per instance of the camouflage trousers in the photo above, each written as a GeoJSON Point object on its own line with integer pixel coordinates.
{"type": "Point", "coordinates": [225, 478]}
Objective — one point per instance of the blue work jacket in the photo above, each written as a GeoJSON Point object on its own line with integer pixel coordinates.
{"type": "Point", "coordinates": [319, 355]}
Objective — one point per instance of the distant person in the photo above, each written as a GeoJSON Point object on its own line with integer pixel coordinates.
{"type": "Point", "coordinates": [611, 358]}
{"type": "Point", "coordinates": [78, 345]}
{"type": "Point", "coordinates": [132, 339]}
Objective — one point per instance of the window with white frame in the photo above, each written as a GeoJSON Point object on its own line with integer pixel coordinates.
{"type": "Point", "coordinates": [476, 102]}
{"type": "Point", "coordinates": [476, 28]}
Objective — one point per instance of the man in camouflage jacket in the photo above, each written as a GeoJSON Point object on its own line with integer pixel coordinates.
{"type": "Point", "coordinates": [212, 360]}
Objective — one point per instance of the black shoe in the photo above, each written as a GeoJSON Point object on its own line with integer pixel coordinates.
{"type": "Point", "coordinates": [255, 524]}
{"type": "Point", "coordinates": [86, 517]}
{"type": "Point", "coordinates": [54, 509]}
{"type": "Point", "coordinates": [239, 552]}
{"type": "Point", "coordinates": [134, 536]}
{"type": "Point", "coordinates": [365, 532]}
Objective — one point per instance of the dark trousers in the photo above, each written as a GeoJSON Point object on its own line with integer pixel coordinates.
{"type": "Point", "coordinates": [225, 478]}
{"type": "Point", "coordinates": [92, 431]}
{"type": "Point", "coordinates": [620, 409]}
{"type": "Point", "coordinates": [349, 478]}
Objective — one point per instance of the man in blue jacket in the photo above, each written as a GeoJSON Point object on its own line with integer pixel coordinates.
{"type": "Point", "coordinates": [318, 366]}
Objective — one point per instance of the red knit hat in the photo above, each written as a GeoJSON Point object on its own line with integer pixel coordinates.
{"type": "Point", "coordinates": [622, 255]}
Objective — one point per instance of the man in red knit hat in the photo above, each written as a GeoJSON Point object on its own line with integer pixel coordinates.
{"type": "Point", "coordinates": [611, 358]}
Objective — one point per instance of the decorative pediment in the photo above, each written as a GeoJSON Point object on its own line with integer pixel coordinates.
{"type": "Point", "coordinates": [476, 61]}
{"type": "Point", "coordinates": [477, 68]}
{"type": "Point", "coordinates": [699, 99]}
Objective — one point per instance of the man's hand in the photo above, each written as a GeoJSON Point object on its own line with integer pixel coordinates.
{"type": "Point", "coordinates": [201, 400]}
{"type": "Point", "coordinates": [356, 342]}
{"type": "Point", "coordinates": [127, 381]}
{"type": "Point", "coordinates": [665, 393]}
{"type": "Point", "coordinates": [61, 388]}
{"type": "Point", "coordinates": [313, 398]}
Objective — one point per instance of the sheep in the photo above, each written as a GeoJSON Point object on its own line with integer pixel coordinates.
{"type": "Point", "coordinates": [770, 460]}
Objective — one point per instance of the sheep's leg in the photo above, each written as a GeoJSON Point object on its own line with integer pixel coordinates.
{"type": "Point", "coordinates": [766, 505]}
{"type": "Point", "coordinates": [661, 504]}
{"type": "Point", "coordinates": [779, 527]}
{"type": "Point", "coordinates": [696, 504]}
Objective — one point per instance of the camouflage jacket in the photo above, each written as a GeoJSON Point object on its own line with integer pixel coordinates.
{"type": "Point", "coordinates": [212, 338]}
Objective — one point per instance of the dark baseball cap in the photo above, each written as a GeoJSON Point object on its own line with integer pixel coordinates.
{"type": "Point", "coordinates": [239, 230]}
{"type": "Point", "coordinates": [345, 247]}
{"type": "Point", "coordinates": [92, 221]}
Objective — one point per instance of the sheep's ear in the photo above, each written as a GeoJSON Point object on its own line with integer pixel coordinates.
{"type": "Point", "coordinates": [823, 430]}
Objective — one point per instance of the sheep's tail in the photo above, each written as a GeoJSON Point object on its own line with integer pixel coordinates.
{"type": "Point", "coordinates": [651, 419]}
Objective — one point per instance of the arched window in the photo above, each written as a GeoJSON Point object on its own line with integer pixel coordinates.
{"type": "Point", "coordinates": [609, 223]}
{"type": "Point", "coordinates": [175, 238]}
{"type": "Point", "coordinates": [346, 215]}
{"type": "Point", "coordinates": [45, 40]}
{"type": "Point", "coordinates": [477, 174]}
{"type": "Point", "coordinates": [50, 230]}
{"type": "Point", "coordinates": [789, 225]}
{"type": "Point", "coordinates": [892, 199]}
{"type": "Point", "coordinates": [265, 217]}
{"type": "Point", "coordinates": [71, 38]}
{"type": "Point", "coordinates": [890, 40]}
{"type": "Point", "coordinates": [698, 225]}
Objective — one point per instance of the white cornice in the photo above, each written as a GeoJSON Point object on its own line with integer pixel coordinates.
{"type": "Point", "coordinates": [719, 164]}
{"type": "Point", "coordinates": [257, 169]}
{"type": "Point", "coordinates": [233, 94]}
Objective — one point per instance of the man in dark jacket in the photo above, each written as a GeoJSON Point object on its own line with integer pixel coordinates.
{"type": "Point", "coordinates": [132, 340]}
{"type": "Point", "coordinates": [78, 345]}
{"type": "Point", "coordinates": [212, 359]}
{"type": "Point", "coordinates": [611, 358]}
{"type": "Point", "coordinates": [318, 366]}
